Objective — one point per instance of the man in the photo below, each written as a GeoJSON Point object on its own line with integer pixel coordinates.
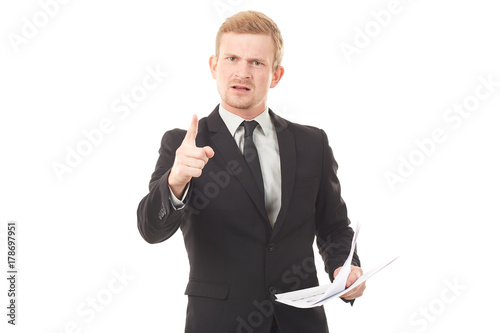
{"type": "Point", "coordinates": [250, 191]}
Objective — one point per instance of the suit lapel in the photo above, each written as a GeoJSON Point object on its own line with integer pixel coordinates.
{"type": "Point", "coordinates": [288, 162]}
{"type": "Point", "coordinates": [226, 147]}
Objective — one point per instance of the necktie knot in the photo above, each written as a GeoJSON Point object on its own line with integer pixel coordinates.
{"type": "Point", "coordinates": [249, 127]}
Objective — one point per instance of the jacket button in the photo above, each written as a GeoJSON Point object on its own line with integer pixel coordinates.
{"type": "Point", "coordinates": [272, 247]}
{"type": "Point", "coordinates": [272, 290]}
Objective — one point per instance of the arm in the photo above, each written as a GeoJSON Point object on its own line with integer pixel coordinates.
{"type": "Point", "coordinates": [158, 216]}
{"type": "Point", "coordinates": [334, 235]}
{"type": "Point", "coordinates": [157, 219]}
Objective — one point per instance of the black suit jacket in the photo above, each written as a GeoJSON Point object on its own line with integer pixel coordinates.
{"type": "Point", "coordinates": [237, 261]}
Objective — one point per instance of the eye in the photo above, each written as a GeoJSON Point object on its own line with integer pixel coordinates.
{"type": "Point", "coordinates": [231, 58]}
{"type": "Point", "coordinates": [257, 63]}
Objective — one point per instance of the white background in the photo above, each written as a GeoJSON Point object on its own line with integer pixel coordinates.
{"type": "Point", "coordinates": [74, 234]}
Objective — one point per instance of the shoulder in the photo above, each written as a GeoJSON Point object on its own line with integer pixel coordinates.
{"type": "Point", "coordinates": [303, 132]}
{"type": "Point", "coordinates": [173, 137]}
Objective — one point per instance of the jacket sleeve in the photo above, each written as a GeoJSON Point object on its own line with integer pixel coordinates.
{"type": "Point", "coordinates": [333, 233]}
{"type": "Point", "coordinates": [157, 220]}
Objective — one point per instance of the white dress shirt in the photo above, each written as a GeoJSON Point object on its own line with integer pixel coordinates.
{"type": "Point", "coordinates": [266, 142]}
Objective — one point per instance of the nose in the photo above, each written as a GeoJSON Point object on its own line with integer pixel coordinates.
{"type": "Point", "coordinates": [243, 71]}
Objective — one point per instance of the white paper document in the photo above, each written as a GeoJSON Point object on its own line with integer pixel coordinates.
{"type": "Point", "coordinates": [317, 296]}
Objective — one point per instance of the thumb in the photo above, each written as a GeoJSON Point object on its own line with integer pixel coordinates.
{"type": "Point", "coordinates": [355, 274]}
{"type": "Point", "coordinates": [209, 151]}
{"type": "Point", "coordinates": [190, 137]}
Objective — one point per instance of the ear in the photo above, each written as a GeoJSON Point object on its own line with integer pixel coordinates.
{"type": "Point", "coordinates": [213, 66]}
{"type": "Point", "coordinates": [277, 75]}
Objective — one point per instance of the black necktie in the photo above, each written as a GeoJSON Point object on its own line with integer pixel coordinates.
{"type": "Point", "coordinates": [251, 155]}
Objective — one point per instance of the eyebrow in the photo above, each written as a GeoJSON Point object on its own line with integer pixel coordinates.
{"type": "Point", "coordinates": [249, 59]}
{"type": "Point", "coordinates": [258, 59]}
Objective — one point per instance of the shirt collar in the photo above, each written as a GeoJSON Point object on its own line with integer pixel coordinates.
{"type": "Point", "coordinates": [233, 121]}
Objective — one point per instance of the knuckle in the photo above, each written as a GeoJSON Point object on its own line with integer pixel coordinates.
{"type": "Point", "coordinates": [181, 170]}
{"type": "Point", "coordinates": [199, 153]}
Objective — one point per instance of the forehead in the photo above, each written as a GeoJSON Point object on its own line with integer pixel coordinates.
{"type": "Point", "coordinates": [247, 45]}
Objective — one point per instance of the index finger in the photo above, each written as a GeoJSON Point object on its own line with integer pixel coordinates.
{"type": "Point", "coordinates": [190, 137]}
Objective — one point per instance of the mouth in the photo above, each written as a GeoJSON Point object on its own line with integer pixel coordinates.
{"type": "Point", "coordinates": [240, 88]}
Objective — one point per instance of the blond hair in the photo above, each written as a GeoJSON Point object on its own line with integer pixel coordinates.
{"type": "Point", "coordinates": [254, 23]}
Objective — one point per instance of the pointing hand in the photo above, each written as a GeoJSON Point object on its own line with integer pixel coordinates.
{"type": "Point", "coordinates": [189, 160]}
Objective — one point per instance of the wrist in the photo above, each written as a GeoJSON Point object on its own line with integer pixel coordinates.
{"type": "Point", "coordinates": [176, 187]}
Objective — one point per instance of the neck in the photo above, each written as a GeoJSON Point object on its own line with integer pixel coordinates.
{"type": "Point", "coordinates": [248, 114]}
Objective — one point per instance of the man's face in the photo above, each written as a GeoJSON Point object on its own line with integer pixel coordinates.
{"type": "Point", "coordinates": [244, 72]}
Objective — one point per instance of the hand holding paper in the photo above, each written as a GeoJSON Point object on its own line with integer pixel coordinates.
{"type": "Point", "coordinates": [356, 273]}
{"type": "Point", "coordinates": [317, 296]}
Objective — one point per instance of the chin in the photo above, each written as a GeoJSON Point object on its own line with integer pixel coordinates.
{"type": "Point", "coordinates": [239, 105]}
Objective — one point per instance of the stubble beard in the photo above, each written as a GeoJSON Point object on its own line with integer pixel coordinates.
{"type": "Point", "coordinates": [238, 103]}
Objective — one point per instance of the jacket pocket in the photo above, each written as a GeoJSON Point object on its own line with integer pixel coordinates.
{"type": "Point", "coordinates": [207, 289]}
